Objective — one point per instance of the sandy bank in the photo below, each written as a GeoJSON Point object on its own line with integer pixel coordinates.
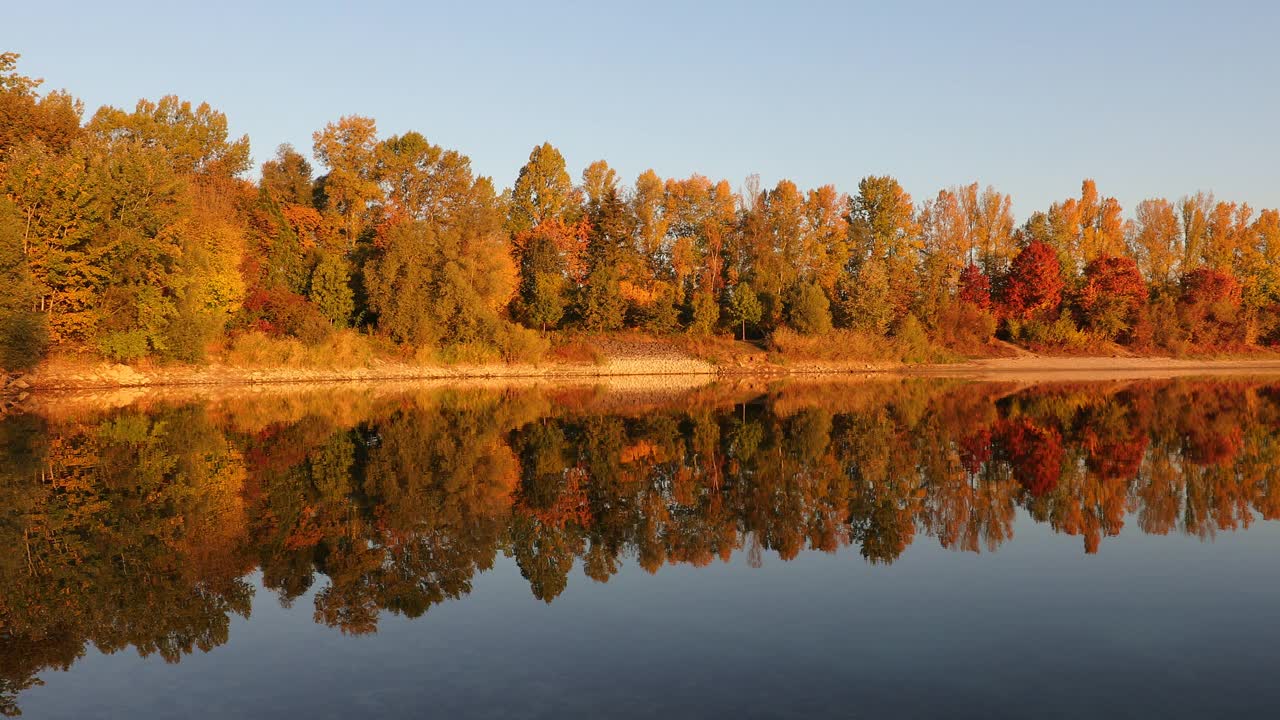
{"type": "Point", "coordinates": [634, 364]}
{"type": "Point", "coordinates": [1043, 367]}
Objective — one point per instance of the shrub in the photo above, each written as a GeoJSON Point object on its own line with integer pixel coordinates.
{"type": "Point", "coordinates": [23, 339]}
{"type": "Point", "coordinates": [280, 313]}
{"type": "Point", "coordinates": [344, 349]}
{"type": "Point", "coordinates": [809, 311]}
{"type": "Point", "coordinates": [837, 345]}
{"type": "Point", "coordinates": [704, 313]}
{"type": "Point", "coordinates": [965, 328]}
{"type": "Point", "coordinates": [469, 353]}
{"type": "Point", "coordinates": [912, 343]}
{"type": "Point", "coordinates": [521, 345]}
{"type": "Point", "coordinates": [124, 346]}
{"type": "Point", "coordinates": [1060, 333]}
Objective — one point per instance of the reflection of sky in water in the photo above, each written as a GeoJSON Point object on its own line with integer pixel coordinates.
{"type": "Point", "coordinates": [1153, 625]}
{"type": "Point", "coordinates": [1150, 625]}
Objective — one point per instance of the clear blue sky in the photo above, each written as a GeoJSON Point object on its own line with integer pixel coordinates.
{"type": "Point", "coordinates": [1150, 98]}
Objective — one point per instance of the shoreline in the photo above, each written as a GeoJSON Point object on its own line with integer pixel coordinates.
{"type": "Point", "coordinates": [62, 376]}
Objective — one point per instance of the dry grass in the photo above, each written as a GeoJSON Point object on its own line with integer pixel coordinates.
{"type": "Point", "coordinates": [572, 349]}
{"type": "Point", "coordinates": [344, 349]}
{"type": "Point", "coordinates": [838, 345]}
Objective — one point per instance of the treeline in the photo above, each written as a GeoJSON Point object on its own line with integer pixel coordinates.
{"type": "Point", "coordinates": [136, 233]}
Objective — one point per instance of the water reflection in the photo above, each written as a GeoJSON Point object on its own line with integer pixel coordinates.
{"type": "Point", "coordinates": [137, 527]}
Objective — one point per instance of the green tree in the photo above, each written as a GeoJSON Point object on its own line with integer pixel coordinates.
{"type": "Point", "coordinates": [809, 311]}
{"type": "Point", "coordinates": [600, 304]}
{"type": "Point", "coordinates": [330, 288]}
{"type": "Point", "coordinates": [744, 307]}
{"type": "Point", "coordinates": [23, 334]}
{"type": "Point", "coordinates": [864, 299]}
{"type": "Point", "coordinates": [543, 301]}
{"type": "Point", "coordinates": [704, 312]}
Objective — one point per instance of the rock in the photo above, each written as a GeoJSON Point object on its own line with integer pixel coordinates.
{"type": "Point", "coordinates": [20, 384]}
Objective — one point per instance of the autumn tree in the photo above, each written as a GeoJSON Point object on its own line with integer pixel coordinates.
{"type": "Point", "coordinates": [1209, 306]}
{"type": "Point", "coordinates": [287, 177]}
{"type": "Point", "coordinates": [52, 119]}
{"type": "Point", "coordinates": [420, 180]}
{"type": "Point", "coordinates": [434, 282]}
{"type": "Point", "coordinates": [975, 287]}
{"type": "Point", "coordinates": [1113, 297]}
{"type": "Point", "coordinates": [884, 231]}
{"type": "Point", "coordinates": [23, 334]}
{"type": "Point", "coordinates": [195, 139]}
{"type": "Point", "coordinates": [348, 148]}
{"type": "Point", "coordinates": [543, 191]}
{"type": "Point", "coordinates": [1034, 285]}
{"type": "Point", "coordinates": [1155, 240]}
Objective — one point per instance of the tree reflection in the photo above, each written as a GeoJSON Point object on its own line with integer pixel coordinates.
{"type": "Point", "coordinates": [136, 528]}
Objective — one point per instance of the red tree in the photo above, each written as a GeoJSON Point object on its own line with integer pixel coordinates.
{"type": "Point", "coordinates": [975, 287]}
{"type": "Point", "coordinates": [1209, 306]}
{"type": "Point", "coordinates": [1113, 295]}
{"type": "Point", "coordinates": [1035, 282]}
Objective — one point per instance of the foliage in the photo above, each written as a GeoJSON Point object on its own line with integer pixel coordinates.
{"type": "Point", "coordinates": [864, 302]}
{"type": "Point", "coordinates": [1113, 297]}
{"type": "Point", "coordinates": [744, 307]}
{"type": "Point", "coordinates": [809, 311]}
{"type": "Point", "coordinates": [975, 287]}
{"type": "Point", "coordinates": [1034, 286]}
{"type": "Point", "coordinates": [1209, 307]}
{"type": "Point", "coordinates": [23, 332]}
{"type": "Point", "coordinates": [965, 328]}
{"type": "Point", "coordinates": [704, 313]}
{"type": "Point", "coordinates": [136, 233]}
{"type": "Point", "coordinates": [330, 289]}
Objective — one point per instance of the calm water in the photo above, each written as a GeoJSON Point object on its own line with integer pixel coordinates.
{"type": "Point", "coordinates": [888, 549]}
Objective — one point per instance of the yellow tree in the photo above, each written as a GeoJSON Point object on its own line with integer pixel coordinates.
{"type": "Point", "coordinates": [195, 139]}
{"type": "Point", "coordinates": [1194, 211]}
{"type": "Point", "coordinates": [420, 180]}
{"type": "Point", "coordinates": [825, 236]}
{"type": "Point", "coordinates": [348, 148]}
{"type": "Point", "coordinates": [1155, 240]}
{"type": "Point", "coordinates": [990, 220]}
{"type": "Point", "coordinates": [543, 191]}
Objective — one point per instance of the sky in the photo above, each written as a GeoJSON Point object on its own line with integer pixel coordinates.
{"type": "Point", "coordinates": [1151, 99]}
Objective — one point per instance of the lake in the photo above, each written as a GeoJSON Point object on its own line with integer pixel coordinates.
{"type": "Point", "coordinates": [886, 548]}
